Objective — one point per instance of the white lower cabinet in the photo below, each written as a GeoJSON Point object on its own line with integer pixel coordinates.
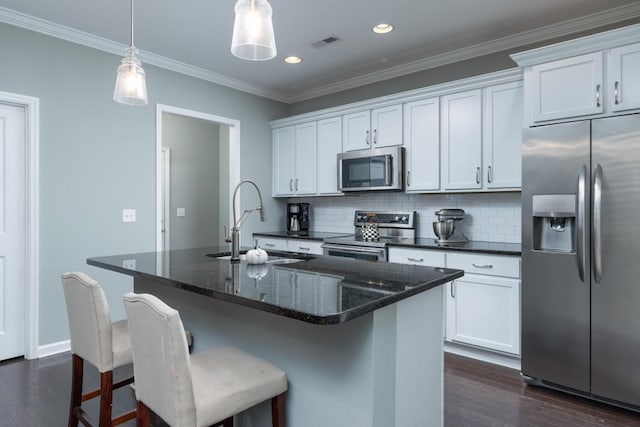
{"type": "Point", "coordinates": [484, 311]}
{"type": "Point", "coordinates": [304, 246]}
{"type": "Point", "coordinates": [483, 307]}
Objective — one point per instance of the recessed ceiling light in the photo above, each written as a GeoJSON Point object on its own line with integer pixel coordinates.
{"type": "Point", "coordinates": [293, 60]}
{"type": "Point", "coordinates": [383, 28]}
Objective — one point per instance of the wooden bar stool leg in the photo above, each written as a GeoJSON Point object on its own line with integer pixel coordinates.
{"type": "Point", "coordinates": [143, 415]}
{"type": "Point", "coordinates": [106, 398]}
{"type": "Point", "coordinates": [77, 371]}
{"type": "Point", "coordinates": [278, 411]}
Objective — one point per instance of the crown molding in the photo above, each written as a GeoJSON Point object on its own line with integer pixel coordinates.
{"type": "Point", "coordinates": [565, 28]}
{"type": "Point", "coordinates": [562, 29]}
{"type": "Point", "coordinates": [52, 29]}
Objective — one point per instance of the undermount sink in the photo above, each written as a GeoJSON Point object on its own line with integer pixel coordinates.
{"type": "Point", "coordinates": [243, 257]}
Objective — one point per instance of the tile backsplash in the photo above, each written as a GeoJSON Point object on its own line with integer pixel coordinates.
{"type": "Point", "coordinates": [491, 217]}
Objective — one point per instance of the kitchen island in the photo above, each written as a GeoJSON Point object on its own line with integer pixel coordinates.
{"type": "Point", "coordinates": [361, 342]}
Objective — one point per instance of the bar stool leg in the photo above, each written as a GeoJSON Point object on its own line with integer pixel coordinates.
{"type": "Point", "coordinates": [106, 398]}
{"type": "Point", "coordinates": [143, 415]}
{"type": "Point", "coordinates": [77, 371]}
{"type": "Point", "coordinates": [278, 411]}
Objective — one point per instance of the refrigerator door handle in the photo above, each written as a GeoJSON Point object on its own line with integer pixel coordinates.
{"type": "Point", "coordinates": [597, 223]}
{"type": "Point", "coordinates": [582, 255]}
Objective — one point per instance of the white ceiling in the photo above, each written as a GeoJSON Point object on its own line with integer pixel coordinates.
{"type": "Point", "coordinates": [194, 36]}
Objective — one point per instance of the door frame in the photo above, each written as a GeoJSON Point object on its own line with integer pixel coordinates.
{"type": "Point", "coordinates": [31, 107]}
{"type": "Point", "coordinates": [234, 157]}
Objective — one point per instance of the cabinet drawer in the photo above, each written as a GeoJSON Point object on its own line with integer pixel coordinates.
{"type": "Point", "coordinates": [304, 246]}
{"type": "Point", "coordinates": [494, 265]}
{"type": "Point", "coordinates": [417, 257]}
{"type": "Point", "coordinates": [267, 244]}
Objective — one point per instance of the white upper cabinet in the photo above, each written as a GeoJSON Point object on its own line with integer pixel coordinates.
{"type": "Point", "coordinates": [380, 127]}
{"type": "Point", "coordinates": [283, 172]}
{"type": "Point", "coordinates": [623, 81]}
{"type": "Point", "coordinates": [588, 77]}
{"type": "Point", "coordinates": [356, 133]}
{"type": "Point", "coordinates": [502, 136]}
{"type": "Point", "coordinates": [294, 160]}
{"type": "Point", "coordinates": [461, 140]}
{"type": "Point", "coordinates": [422, 145]}
{"type": "Point", "coordinates": [566, 88]}
{"type": "Point", "coordinates": [329, 145]}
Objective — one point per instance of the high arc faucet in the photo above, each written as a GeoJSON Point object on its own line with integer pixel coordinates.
{"type": "Point", "coordinates": [234, 239]}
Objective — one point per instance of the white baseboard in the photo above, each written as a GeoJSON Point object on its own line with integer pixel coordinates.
{"type": "Point", "coordinates": [512, 362]}
{"type": "Point", "coordinates": [54, 348]}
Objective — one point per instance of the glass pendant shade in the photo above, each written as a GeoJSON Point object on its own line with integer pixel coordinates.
{"type": "Point", "coordinates": [131, 88]}
{"type": "Point", "coordinates": [253, 37]}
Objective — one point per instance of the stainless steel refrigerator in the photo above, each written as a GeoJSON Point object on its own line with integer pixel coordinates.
{"type": "Point", "coordinates": [581, 258]}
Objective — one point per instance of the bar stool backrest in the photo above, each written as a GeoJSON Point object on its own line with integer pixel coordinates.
{"type": "Point", "coordinates": [161, 362]}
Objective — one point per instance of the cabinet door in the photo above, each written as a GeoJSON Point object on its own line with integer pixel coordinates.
{"type": "Point", "coordinates": [305, 159]}
{"type": "Point", "coordinates": [283, 160]}
{"type": "Point", "coordinates": [624, 85]}
{"type": "Point", "coordinates": [272, 244]}
{"type": "Point", "coordinates": [304, 246]}
{"type": "Point", "coordinates": [422, 145]}
{"type": "Point", "coordinates": [461, 140]}
{"type": "Point", "coordinates": [386, 126]}
{"type": "Point", "coordinates": [502, 135]}
{"type": "Point", "coordinates": [566, 88]}
{"type": "Point", "coordinates": [432, 258]}
{"type": "Point", "coordinates": [355, 131]}
{"type": "Point", "coordinates": [485, 311]}
{"type": "Point", "coordinates": [329, 145]}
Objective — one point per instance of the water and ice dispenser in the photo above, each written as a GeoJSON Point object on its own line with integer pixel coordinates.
{"type": "Point", "coordinates": [554, 222]}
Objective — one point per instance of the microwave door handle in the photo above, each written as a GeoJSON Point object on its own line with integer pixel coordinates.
{"type": "Point", "coordinates": [387, 170]}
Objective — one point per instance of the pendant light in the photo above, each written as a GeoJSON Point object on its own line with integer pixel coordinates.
{"type": "Point", "coordinates": [253, 37]}
{"type": "Point", "coordinates": [131, 88]}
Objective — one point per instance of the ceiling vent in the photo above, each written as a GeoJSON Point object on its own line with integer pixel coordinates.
{"type": "Point", "coordinates": [326, 41]}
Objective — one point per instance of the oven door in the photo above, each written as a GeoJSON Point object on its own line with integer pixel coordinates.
{"type": "Point", "coordinates": [355, 252]}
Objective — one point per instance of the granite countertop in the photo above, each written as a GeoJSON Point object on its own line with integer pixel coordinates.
{"type": "Point", "coordinates": [495, 248]}
{"type": "Point", "coordinates": [315, 289]}
{"type": "Point", "coordinates": [310, 235]}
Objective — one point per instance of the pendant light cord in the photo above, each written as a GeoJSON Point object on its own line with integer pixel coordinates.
{"type": "Point", "coordinates": [132, 1]}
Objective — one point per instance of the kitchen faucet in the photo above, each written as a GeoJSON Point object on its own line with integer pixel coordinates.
{"type": "Point", "coordinates": [234, 239]}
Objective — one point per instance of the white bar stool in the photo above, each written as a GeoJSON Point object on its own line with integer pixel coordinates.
{"type": "Point", "coordinates": [203, 389]}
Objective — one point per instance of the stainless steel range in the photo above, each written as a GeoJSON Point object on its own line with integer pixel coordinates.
{"type": "Point", "coordinates": [373, 231]}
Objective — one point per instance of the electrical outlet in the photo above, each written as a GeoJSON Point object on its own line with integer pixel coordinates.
{"type": "Point", "coordinates": [181, 212]}
{"type": "Point", "coordinates": [129, 264]}
{"type": "Point", "coordinates": [128, 215]}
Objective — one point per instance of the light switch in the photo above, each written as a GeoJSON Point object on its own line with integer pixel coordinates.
{"type": "Point", "coordinates": [181, 212]}
{"type": "Point", "coordinates": [129, 264]}
{"type": "Point", "coordinates": [128, 215]}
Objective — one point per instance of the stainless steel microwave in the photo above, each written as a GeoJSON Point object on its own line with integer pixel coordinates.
{"type": "Point", "coordinates": [376, 169]}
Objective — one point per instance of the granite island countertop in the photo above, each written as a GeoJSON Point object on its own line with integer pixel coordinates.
{"type": "Point", "coordinates": [315, 289]}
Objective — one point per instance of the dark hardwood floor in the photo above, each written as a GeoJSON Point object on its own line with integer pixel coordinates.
{"type": "Point", "coordinates": [36, 393]}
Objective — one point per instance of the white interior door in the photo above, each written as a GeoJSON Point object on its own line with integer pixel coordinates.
{"type": "Point", "coordinates": [12, 231]}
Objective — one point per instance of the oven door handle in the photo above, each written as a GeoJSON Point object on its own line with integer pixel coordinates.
{"type": "Point", "coordinates": [353, 250]}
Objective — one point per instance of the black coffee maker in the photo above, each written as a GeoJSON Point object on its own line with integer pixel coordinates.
{"type": "Point", "coordinates": [298, 218]}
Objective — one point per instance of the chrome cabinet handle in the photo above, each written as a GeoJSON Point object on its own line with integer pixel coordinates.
{"type": "Point", "coordinates": [490, 175]}
{"type": "Point", "coordinates": [302, 248]}
{"type": "Point", "coordinates": [415, 259]}
{"type": "Point", "coordinates": [597, 95]}
{"type": "Point", "coordinates": [291, 184]}
{"type": "Point", "coordinates": [597, 223]}
{"type": "Point", "coordinates": [367, 138]}
{"type": "Point", "coordinates": [269, 245]}
{"type": "Point", "coordinates": [582, 236]}
{"type": "Point", "coordinates": [452, 290]}
{"type": "Point", "coordinates": [408, 178]}
{"type": "Point", "coordinates": [616, 92]}
{"type": "Point", "coordinates": [478, 175]}
{"type": "Point", "coordinates": [482, 265]}
{"type": "Point", "coordinates": [296, 184]}
{"type": "Point", "coordinates": [375, 136]}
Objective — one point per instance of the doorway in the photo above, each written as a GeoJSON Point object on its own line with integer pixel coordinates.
{"type": "Point", "coordinates": [18, 226]}
{"type": "Point", "coordinates": [198, 165]}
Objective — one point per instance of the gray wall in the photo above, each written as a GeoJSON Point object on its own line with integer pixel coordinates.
{"type": "Point", "coordinates": [195, 180]}
{"type": "Point", "coordinates": [98, 157]}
